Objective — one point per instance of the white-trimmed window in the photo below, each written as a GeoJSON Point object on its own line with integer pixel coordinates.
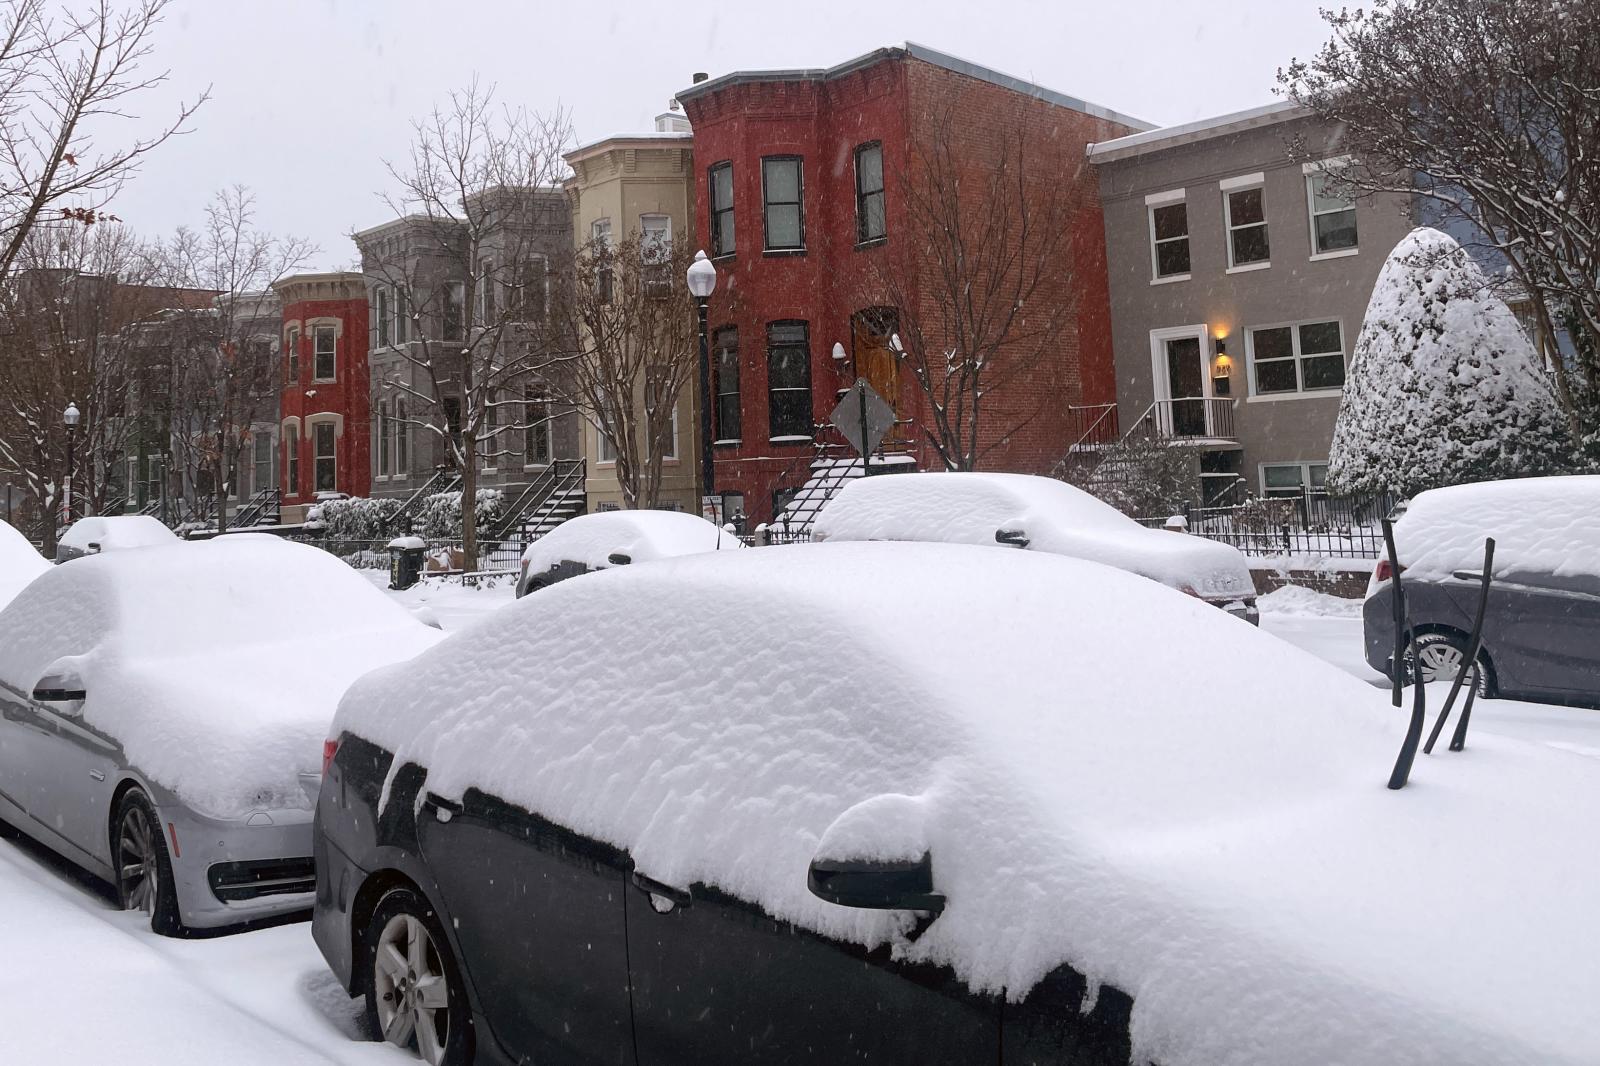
{"type": "Point", "coordinates": [655, 253]}
{"type": "Point", "coordinates": [383, 439]}
{"type": "Point", "coordinates": [1293, 479]}
{"type": "Point", "coordinates": [291, 344]}
{"type": "Point", "coordinates": [455, 311]}
{"type": "Point", "coordinates": [291, 460]}
{"type": "Point", "coordinates": [1169, 235]}
{"type": "Point", "coordinates": [600, 248]}
{"type": "Point", "coordinates": [536, 419]}
{"type": "Point", "coordinates": [1303, 357]}
{"type": "Point", "coordinates": [603, 450]}
{"type": "Point", "coordinates": [402, 439]}
{"type": "Point", "coordinates": [1333, 216]}
{"type": "Point", "coordinates": [1244, 213]}
{"type": "Point", "coordinates": [324, 366]}
{"type": "Point", "coordinates": [402, 315]}
{"type": "Point", "coordinates": [325, 470]}
{"type": "Point", "coordinates": [531, 298]}
{"type": "Point", "coordinates": [381, 315]}
{"type": "Point", "coordinates": [782, 203]}
{"type": "Point", "coordinates": [486, 300]}
{"type": "Point", "coordinates": [261, 458]}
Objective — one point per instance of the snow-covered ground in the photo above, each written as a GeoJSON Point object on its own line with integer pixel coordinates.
{"type": "Point", "coordinates": [85, 978]}
{"type": "Point", "coordinates": [446, 600]}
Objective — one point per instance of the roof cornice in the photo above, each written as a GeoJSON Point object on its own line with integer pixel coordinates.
{"type": "Point", "coordinates": [1136, 144]}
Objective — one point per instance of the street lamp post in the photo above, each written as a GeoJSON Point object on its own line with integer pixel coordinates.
{"type": "Point", "coordinates": [702, 279]}
{"type": "Point", "coordinates": [70, 418]}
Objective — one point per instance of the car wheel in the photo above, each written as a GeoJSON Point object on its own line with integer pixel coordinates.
{"type": "Point", "coordinates": [144, 872]}
{"type": "Point", "coordinates": [1440, 656]}
{"type": "Point", "coordinates": [414, 995]}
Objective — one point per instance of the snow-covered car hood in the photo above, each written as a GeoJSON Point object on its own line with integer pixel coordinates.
{"type": "Point", "coordinates": [643, 536]}
{"type": "Point", "coordinates": [1218, 843]}
{"type": "Point", "coordinates": [217, 666]}
{"type": "Point", "coordinates": [1053, 516]}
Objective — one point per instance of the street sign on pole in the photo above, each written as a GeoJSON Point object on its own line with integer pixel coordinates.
{"type": "Point", "coordinates": [863, 417]}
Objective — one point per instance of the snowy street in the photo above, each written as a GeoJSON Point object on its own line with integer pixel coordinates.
{"type": "Point", "coordinates": [266, 996]}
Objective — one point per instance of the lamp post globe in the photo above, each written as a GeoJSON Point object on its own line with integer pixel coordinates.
{"type": "Point", "coordinates": [70, 418]}
{"type": "Point", "coordinates": [702, 280]}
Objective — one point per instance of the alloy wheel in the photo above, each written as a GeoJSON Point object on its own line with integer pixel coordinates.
{"type": "Point", "coordinates": [1440, 661]}
{"type": "Point", "coordinates": [137, 863]}
{"type": "Point", "coordinates": [413, 996]}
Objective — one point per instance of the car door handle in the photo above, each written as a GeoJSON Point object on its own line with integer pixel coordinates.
{"type": "Point", "coordinates": [443, 809]}
{"type": "Point", "coordinates": [656, 888]}
{"type": "Point", "coordinates": [98, 775]}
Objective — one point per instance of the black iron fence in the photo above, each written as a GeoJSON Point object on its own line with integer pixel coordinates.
{"type": "Point", "coordinates": [1310, 523]}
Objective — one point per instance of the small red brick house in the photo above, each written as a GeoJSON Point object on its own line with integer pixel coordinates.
{"type": "Point", "coordinates": [796, 193]}
{"type": "Point", "coordinates": [326, 403]}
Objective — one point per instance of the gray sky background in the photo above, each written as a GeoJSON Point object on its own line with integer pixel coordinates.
{"type": "Point", "coordinates": [309, 97]}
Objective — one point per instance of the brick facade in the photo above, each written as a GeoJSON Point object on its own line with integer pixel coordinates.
{"type": "Point", "coordinates": [336, 301]}
{"type": "Point", "coordinates": [822, 117]}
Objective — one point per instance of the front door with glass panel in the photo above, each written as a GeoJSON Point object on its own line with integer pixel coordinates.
{"type": "Point", "coordinates": [1186, 414]}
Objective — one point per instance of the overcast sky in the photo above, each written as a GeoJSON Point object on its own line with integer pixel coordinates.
{"type": "Point", "coordinates": [309, 97]}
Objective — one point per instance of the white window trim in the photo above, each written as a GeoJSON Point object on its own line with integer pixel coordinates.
{"type": "Point", "coordinates": [1243, 181]}
{"type": "Point", "coordinates": [336, 420]}
{"type": "Point", "coordinates": [1160, 380]}
{"type": "Point", "coordinates": [1305, 466]}
{"type": "Point", "coordinates": [1249, 181]}
{"type": "Point", "coordinates": [1167, 199]}
{"type": "Point", "coordinates": [315, 326]}
{"type": "Point", "coordinates": [1312, 170]}
{"type": "Point", "coordinates": [1251, 396]}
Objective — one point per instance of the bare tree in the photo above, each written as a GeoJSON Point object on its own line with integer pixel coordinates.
{"type": "Point", "coordinates": [1487, 110]}
{"type": "Point", "coordinates": [71, 312]}
{"type": "Point", "coordinates": [68, 81]}
{"type": "Point", "coordinates": [1142, 474]}
{"type": "Point", "coordinates": [480, 199]}
{"type": "Point", "coordinates": [981, 282]}
{"type": "Point", "coordinates": [226, 365]}
{"type": "Point", "coordinates": [630, 326]}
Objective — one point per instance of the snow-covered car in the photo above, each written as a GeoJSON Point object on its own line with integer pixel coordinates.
{"type": "Point", "coordinates": [164, 712]}
{"type": "Point", "coordinates": [913, 803]}
{"type": "Point", "coordinates": [1038, 514]}
{"type": "Point", "coordinates": [616, 538]}
{"type": "Point", "coordinates": [100, 533]}
{"type": "Point", "coordinates": [20, 563]}
{"type": "Point", "coordinates": [1541, 628]}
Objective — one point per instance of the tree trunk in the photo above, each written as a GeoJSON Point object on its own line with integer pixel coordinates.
{"type": "Point", "coordinates": [469, 500]}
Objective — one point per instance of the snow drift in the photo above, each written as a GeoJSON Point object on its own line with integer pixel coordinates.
{"type": "Point", "coordinates": [1217, 842]}
{"type": "Point", "coordinates": [20, 563]}
{"type": "Point", "coordinates": [217, 664]}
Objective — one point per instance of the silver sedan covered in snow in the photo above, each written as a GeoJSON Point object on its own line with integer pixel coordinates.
{"type": "Point", "coordinates": [163, 712]}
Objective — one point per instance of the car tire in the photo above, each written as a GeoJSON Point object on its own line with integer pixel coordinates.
{"type": "Point", "coordinates": [1441, 655]}
{"type": "Point", "coordinates": [403, 1006]}
{"type": "Point", "coordinates": [142, 865]}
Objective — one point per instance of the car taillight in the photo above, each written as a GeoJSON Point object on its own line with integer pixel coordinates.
{"type": "Point", "coordinates": [330, 748]}
{"type": "Point", "coordinates": [1383, 571]}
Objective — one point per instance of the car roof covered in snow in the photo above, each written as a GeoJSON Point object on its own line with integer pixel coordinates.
{"type": "Point", "coordinates": [1216, 841]}
{"type": "Point", "coordinates": [643, 536]}
{"type": "Point", "coordinates": [969, 508]}
{"type": "Point", "coordinates": [216, 664]}
{"type": "Point", "coordinates": [114, 532]}
{"type": "Point", "coordinates": [20, 562]}
{"type": "Point", "coordinates": [1539, 525]}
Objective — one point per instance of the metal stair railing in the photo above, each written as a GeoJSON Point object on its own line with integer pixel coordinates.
{"type": "Point", "coordinates": [262, 506]}
{"type": "Point", "coordinates": [533, 494]}
{"type": "Point", "coordinates": [441, 481]}
{"type": "Point", "coordinates": [568, 477]}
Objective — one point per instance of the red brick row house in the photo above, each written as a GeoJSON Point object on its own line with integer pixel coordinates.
{"type": "Point", "coordinates": [797, 198]}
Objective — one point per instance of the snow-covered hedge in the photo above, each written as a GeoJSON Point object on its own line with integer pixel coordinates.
{"type": "Point", "coordinates": [1444, 386]}
{"type": "Point", "coordinates": [441, 513]}
{"type": "Point", "coordinates": [357, 518]}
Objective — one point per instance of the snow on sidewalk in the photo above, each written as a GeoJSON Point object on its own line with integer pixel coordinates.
{"type": "Point", "coordinates": [85, 984]}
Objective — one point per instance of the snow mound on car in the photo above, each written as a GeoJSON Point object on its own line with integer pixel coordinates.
{"type": "Point", "coordinates": [115, 532]}
{"type": "Point", "coordinates": [1539, 525]}
{"type": "Point", "coordinates": [1094, 785]}
{"type": "Point", "coordinates": [20, 563]}
{"type": "Point", "coordinates": [969, 508]}
{"type": "Point", "coordinates": [643, 536]}
{"type": "Point", "coordinates": [218, 665]}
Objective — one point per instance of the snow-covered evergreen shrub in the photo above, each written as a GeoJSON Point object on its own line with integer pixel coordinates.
{"type": "Point", "coordinates": [357, 518]}
{"type": "Point", "coordinates": [440, 516]}
{"type": "Point", "coordinates": [1444, 387]}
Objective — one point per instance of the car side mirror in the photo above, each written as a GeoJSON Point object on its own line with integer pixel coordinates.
{"type": "Point", "coordinates": [902, 884]}
{"type": "Point", "coordinates": [61, 684]}
{"type": "Point", "coordinates": [619, 559]}
{"type": "Point", "coordinates": [1017, 538]}
{"type": "Point", "coordinates": [94, 545]}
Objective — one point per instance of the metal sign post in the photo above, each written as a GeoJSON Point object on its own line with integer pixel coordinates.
{"type": "Point", "coordinates": [864, 419]}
